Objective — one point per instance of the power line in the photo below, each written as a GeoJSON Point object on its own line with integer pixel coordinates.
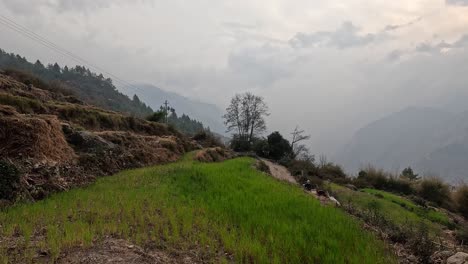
{"type": "Point", "coordinates": [56, 48]}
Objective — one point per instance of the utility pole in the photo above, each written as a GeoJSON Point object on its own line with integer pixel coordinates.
{"type": "Point", "coordinates": [166, 110]}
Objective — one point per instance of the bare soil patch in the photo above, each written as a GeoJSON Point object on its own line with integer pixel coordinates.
{"type": "Point", "coordinates": [279, 172]}
{"type": "Point", "coordinates": [121, 251]}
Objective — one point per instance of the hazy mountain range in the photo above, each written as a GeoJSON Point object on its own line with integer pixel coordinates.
{"type": "Point", "coordinates": [210, 115]}
{"type": "Point", "coordinates": [433, 141]}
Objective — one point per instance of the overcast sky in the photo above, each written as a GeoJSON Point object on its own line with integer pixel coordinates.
{"type": "Point", "coordinates": [329, 66]}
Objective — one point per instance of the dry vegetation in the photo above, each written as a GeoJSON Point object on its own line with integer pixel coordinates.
{"type": "Point", "coordinates": [56, 144]}
{"type": "Point", "coordinates": [216, 154]}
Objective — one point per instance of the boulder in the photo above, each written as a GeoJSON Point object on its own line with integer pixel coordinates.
{"type": "Point", "coordinates": [459, 258]}
{"type": "Point", "coordinates": [441, 256]}
{"type": "Point", "coordinates": [86, 140]}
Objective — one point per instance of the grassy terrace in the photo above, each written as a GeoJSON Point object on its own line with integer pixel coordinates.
{"type": "Point", "coordinates": [397, 209]}
{"type": "Point", "coordinates": [213, 209]}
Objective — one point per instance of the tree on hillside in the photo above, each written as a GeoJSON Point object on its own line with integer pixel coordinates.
{"type": "Point", "coordinates": [297, 148]}
{"type": "Point", "coordinates": [409, 174]}
{"type": "Point", "coordinates": [278, 147]}
{"type": "Point", "coordinates": [246, 116]}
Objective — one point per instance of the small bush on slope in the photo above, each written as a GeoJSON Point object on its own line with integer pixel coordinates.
{"type": "Point", "coordinates": [9, 180]}
{"type": "Point", "coordinates": [436, 191]}
{"type": "Point", "coordinates": [461, 200]}
{"type": "Point", "coordinates": [217, 209]}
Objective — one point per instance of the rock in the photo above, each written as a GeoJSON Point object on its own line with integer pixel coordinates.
{"type": "Point", "coordinates": [87, 140]}
{"type": "Point", "coordinates": [412, 259]}
{"type": "Point", "coordinates": [441, 256]}
{"type": "Point", "coordinates": [335, 201]}
{"type": "Point", "coordinates": [459, 258]}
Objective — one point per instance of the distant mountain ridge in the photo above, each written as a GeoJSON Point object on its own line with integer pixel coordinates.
{"type": "Point", "coordinates": [431, 140]}
{"type": "Point", "coordinates": [210, 115]}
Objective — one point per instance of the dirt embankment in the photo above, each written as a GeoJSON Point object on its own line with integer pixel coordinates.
{"type": "Point", "coordinates": [57, 145]}
{"type": "Point", "coordinates": [279, 172]}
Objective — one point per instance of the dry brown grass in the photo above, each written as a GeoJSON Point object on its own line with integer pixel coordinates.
{"type": "Point", "coordinates": [39, 138]}
{"type": "Point", "coordinates": [213, 155]}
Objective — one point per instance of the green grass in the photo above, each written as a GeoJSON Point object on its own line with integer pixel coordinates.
{"type": "Point", "coordinates": [397, 209]}
{"type": "Point", "coordinates": [426, 213]}
{"type": "Point", "coordinates": [213, 209]}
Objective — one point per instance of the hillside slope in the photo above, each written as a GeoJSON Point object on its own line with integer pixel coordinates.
{"type": "Point", "coordinates": [88, 86]}
{"type": "Point", "coordinates": [193, 212]}
{"type": "Point", "coordinates": [431, 140]}
{"type": "Point", "coordinates": [58, 142]}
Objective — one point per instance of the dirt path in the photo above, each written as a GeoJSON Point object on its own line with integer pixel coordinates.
{"type": "Point", "coordinates": [279, 172]}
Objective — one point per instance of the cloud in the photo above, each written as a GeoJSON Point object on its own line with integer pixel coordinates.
{"type": "Point", "coordinates": [346, 36]}
{"type": "Point", "coordinates": [399, 26]}
{"type": "Point", "coordinates": [427, 47]}
{"type": "Point", "coordinates": [331, 81]}
{"type": "Point", "coordinates": [259, 66]}
{"type": "Point", "coordinates": [395, 55]}
{"type": "Point", "coordinates": [457, 2]}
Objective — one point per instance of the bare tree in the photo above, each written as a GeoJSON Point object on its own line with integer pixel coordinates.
{"type": "Point", "coordinates": [246, 115]}
{"type": "Point", "coordinates": [297, 137]}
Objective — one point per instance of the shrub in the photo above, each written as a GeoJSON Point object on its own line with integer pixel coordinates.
{"type": "Point", "coordinates": [421, 244]}
{"type": "Point", "coordinates": [331, 171]}
{"type": "Point", "coordinates": [402, 186]}
{"type": "Point", "coordinates": [9, 180]}
{"type": "Point", "coordinates": [461, 200]}
{"type": "Point", "coordinates": [31, 79]}
{"type": "Point", "coordinates": [374, 177]}
{"type": "Point", "coordinates": [462, 235]}
{"type": "Point", "coordinates": [436, 191]}
{"type": "Point", "coordinates": [26, 78]}
{"type": "Point", "coordinates": [23, 104]}
{"type": "Point", "coordinates": [240, 144]}
{"type": "Point", "coordinates": [261, 148]}
{"type": "Point", "coordinates": [379, 179]}
{"type": "Point", "coordinates": [207, 139]}
{"type": "Point", "coordinates": [156, 117]}
{"type": "Point", "coordinates": [302, 167]}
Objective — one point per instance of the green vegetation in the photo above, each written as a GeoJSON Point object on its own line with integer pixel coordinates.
{"type": "Point", "coordinates": [215, 209]}
{"type": "Point", "coordinates": [398, 210]}
{"type": "Point", "coordinates": [461, 200]}
{"type": "Point", "coordinates": [23, 104]}
{"type": "Point", "coordinates": [274, 147]}
{"type": "Point", "coordinates": [9, 179]}
{"type": "Point", "coordinates": [185, 124]}
{"type": "Point", "coordinates": [88, 86]}
{"type": "Point", "coordinates": [435, 191]}
{"type": "Point", "coordinates": [423, 212]}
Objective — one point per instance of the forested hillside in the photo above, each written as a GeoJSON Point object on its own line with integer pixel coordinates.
{"type": "Point", "coordinates": [88, 86]}
{"type": "Point", "coordinates": [92, 88]}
